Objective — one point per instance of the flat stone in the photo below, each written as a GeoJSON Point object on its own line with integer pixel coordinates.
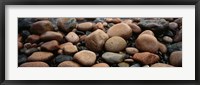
{"type": "Point", "coordinates": [175, 58]}
{"type": "Point", "coordinates": [85, 26]}
{"type": "Point", "coordinates": [41, 27]}
{"type": "Point", "coordinates": [33, 38]}
{"type": "Point", "coordinates": [131, 50]}
{"type": "Point", "coordinates": [34, 64]}
{"type": "Point", "coordinates": [51, 35]}
{"type": "Point", "coordinates": [68, 64]}
{"type": "Point", "coordinates": [40, 56]}
{"type": "Point", "coordinates": [146, 58]}
{"type": "Point", "coordinates": [101, 65]}
{"type": "Point", "coordinates": [50, 46]}
{"type": "Point", "coordinates": [66, 24]}
{"type": "Point", "coordinates": [61, 58]}
{"type": "Point", "coordinates": [111, 57]}
{"type": "Point", "coordinates": [85, 57]}
{"type": "Point", "coordinates": [161, 65]}
{"type": "Point", "coordinates": [123, 64]}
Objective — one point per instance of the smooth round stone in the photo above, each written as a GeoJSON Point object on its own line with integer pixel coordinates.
{"type": "Point", "coordinates": [34, 64]}
{"type": "Point", "coordinates": [122, 29]}
{"type": "Point", "coordinates": [123, 64]}
{"type": "Point", "coordinates": [149, 32]}
{"type": "Point", "coordinates": [85, 57]}
{"type": "Point", "coordinates": [162, 48]}
{"type": "Point", "coordinates": [146, 58]}
{"type": "Point", "coordinates": [105, 24]}
{"type": "Point", "coordinates": [85, 26]}
{"type": "Point", "coordinates": [115, 44]}
{"type": "Point", "coordinates": [40, 56]}
{"type": "Point", "coordinates": [167, 39]}
{"type": "Point", "coordinates": [72, 37]}
{"type": "Point", "coordinates": [22, 58]}
{"type": "Point", "coordinates": [33, 38]}
{"type": "Point", "coordinates": [146, 42]}
{"type": "Point", "coordinates": [111, 57]}
{"type": "Point", "coordinates": [30, 51]}
{"type": "Point", "coordinates": [161, 65]}
{"type": "Point", "coordinates": [68, 64]}
{"type": "Point", "coordinates": [131, 50]}
{"type": "Point", "coordinates": [175, 58]}
{"type": "Point", "coordinates": [61, 58]}
{"type": "Point", "coordinates": [70, 48]}
{"type": "Point", "coordinates": [178, 36]}
{"type": "Point", "coordinates": [135, 28]}
{"type": "Point", "coordinates": [128, 21]}
{"type": "Point", "coordinates": [50, 46]}
{"type": "Point", "coordinates": [101, 65]}
{"type": "Point", "coordinates": [51, 35]}
{"type": "Point", "coordinates": [96, 40]}
{"type": "Point", "coordinates": [99, 25]}
{"type": "Point", "coordinates": [20, 45]}
{"type": "Point", "coordinates": [41, 27]}
{"type": "Point", "coordinates": [129, 60]}
{"type": "Point", "coordinates": [136, 65]}
{"type": "Point", "coordinates": [173, 25]}
{"type": "Point", "coordinates": [66, 24]}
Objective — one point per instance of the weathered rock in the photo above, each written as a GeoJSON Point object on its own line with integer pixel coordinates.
{"type": "Point", "coordinates": [115, 44]}
{"type": "Point", "coordinates": [135, 28]}
{"type": "Point", "coordinates": [161, 65]}
{"type": "Point", "coordinates": [41, 27]}
{"type": "Point", "coordinates": [33, 38]}
{"type": "Point", "coordinates": [111, 57]}
{"type": "Point", "coordinates": [96, 40]}
{"type": "Point", "coordinates": [123, 64]}
{"type": "Point", "coordinates": [69, 48]}
{"type": "Point", "coordinates": [20, 45]}
{"type": "Point", "coordinates": [149, 32]}
{"type": "Point", "coordinates": [85, 57]}
{"type": "Point", "coordinates": [50, 46]}
{"type": "Point", "coordinates": [173, 25]}
{"type": "Point", "coordinates": [131, 50]}
{"type": "Point", "coordinates": [101, 65]}
{"type": "Point", "coordinates": [27, 45]}
{"type": "Point", "coordinates": [174, 47]}
{"type": "Point", "coordinates": [22, 58]}
{"type": "Point", "coordinates": [30, 51]}
{"type": "Point", "coordinates": [68, 64]}
{"type": "Point", "coordinates": [167, 39]}
{"type": "Point", "coordinates": [178, 36]}
{"type": "Point", "coordinates": [162, 48]}
{"type": "Point", "coordinates": [61, 58]}
{"type": "Point", "coordinates": [50, 35]}
{"type": "Point", "coordinates": [40, 56]}
{"type": "Point", "coordinates": [34, 64]}
{"type": "Point", "coordinates": [85, 26]}
{"type": "Point", "coordinates": [72, 37]}
{"type": "Point", "coordinates": [176, 58]}
{"type": "Point", "coordinates": [99, 25]}
{"type": "Point", "coordinates": [66, 24]}
{"type": "Point", "coordinates": [146, 58]}
{"type": "Point", "coordinates": [122, 29]}
{"type": "Point", "coordinates": [129, 60]}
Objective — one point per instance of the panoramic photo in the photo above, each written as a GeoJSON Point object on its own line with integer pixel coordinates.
{"type": "Point", "coordinates": [100, 42]}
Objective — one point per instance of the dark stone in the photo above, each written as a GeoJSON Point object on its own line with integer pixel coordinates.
{"type": "Point", "coordinates": [24, 23]}
{"type": "Point", "coordinates": [25, 34]}
{"type": "Point", "coordinates": [30, 51]}
{"type": "Point", "coordinates": [169, 33]}
{"type": "Point", "coordinates": [174, 47]}
{"type": "Point", "coordinates": [88, 32]}
{"type": "Point", "coordinates": [61, 58]}
{"type": "Point", "coordinates": [136, 65]}
{"type": "Point", "coordinates": [99, 20]}
{"type": "Point", "coordinates": [22, 58]}
{"type": "Point", "coordinates": [79, 32]}
{"type": "Point", "coordinates": [54, 23]}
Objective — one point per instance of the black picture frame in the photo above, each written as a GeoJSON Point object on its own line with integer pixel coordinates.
{"type": "Point", "coordinates": [3, 3]}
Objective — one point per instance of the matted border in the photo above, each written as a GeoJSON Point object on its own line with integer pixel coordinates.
{"type": "Point", "coordinates": [98, 2]}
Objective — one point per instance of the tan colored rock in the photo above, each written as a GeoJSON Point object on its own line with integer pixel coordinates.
{"type": "Point", "coordinates": [167, 39]}
{"type": "Point", "coordinates": [162, 48]}
{"type": "Point", "coordinates": [146, 58]}
{"type": "Point", "coordinates": [72, 37]}
{"type": "Point", "coordinates": [85, 57]}
{"type": "Point", "coordinates": [115, 44]}
{"type": "Point", "coordinates": [135, 28]}
{"type": "Point", "coordinates": [123, 64]}
{"type": "Point", "coordinates": [121, 29]}
{"type": "Point", "coordinates": [131, 50]}
{"type": "Point", "coordinates": [146, 42]}
{"type": "Point", "coordinates": [33, 38]}
{"type": "Point", "coordinates": [66, 24]}
{"type": "Point", "coordinates": [34, 64]}
{"type": "Point", "coordinates": [99, 25]}
{"type": "Point", "coordinates": [101, 65]}
{"type": "Point", "coordinates": [161, 65]}
{"type": "Point", "coordinates": [50, 46]}
{"type": "Point", "coordinates": [96, 40]}
{"type": "Point", "coordinates": [69, 48]}
{"type": "Point", "coordinates": [175, 58]}
{"type": "Point", "coordinates": [40, 56]}
{"type": "Point", "coordinates": [68, 64]}
{"type": "Point", "coordinates": [20, 45]}
{"type": "Point", "coordinates": [41, 27]}
{"type": "Point", "coordinates": [51, 35]}
{"type": "Point", "coordinates": [147, 32]}
{"type": "Point", "coordinates": [85, 26]}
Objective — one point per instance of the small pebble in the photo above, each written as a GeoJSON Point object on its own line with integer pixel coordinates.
{"type": "Point", "coordinates": [167, 39]}
{"type": "Point", "coordinates": [123, 64]}
{"type": "Point", "coordinates": [40, 56]}
{"type": "Point", "coordinates": [146, 58]}
{"type": "Point", "coordinates": [68, 64]}
{"type": "Point", "coordinates": [34, 64]}
{"type": "Point", "coordinates": [175, 58]}
{"type": "Point", "coordinates": [85, 57]}
{"type": "Point", "coordinates": [111, 57]}
{"type": "Point", "coordinates": [85, 26]}
{"type": "Point", "coordinates": [50, 46]}
{"type": "Point", "coordinates": [131, 50]}
{"type": "Point", "coordinates": [72, 37]}
{"type": "Point", "coordinates": [113, 46]}
{"type": "Point", "coordinates": [101, 65]}
{"type": "Point", "coordinates": [70, 48]}
{"type": "Point", "coordinates": [50, 35]}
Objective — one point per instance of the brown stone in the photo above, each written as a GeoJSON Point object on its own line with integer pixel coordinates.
{"type": "Point", "coordinates": [33, 38]}
{"type": "Point", "coordinates": [50, 35]}
{"type": "Point", "coordinates": [68, 64]}
{"type": "Point", "coordinates": [50, 46]}
{"type": "Point", "coordinates": [146, 58]}
{"type": "Point", "coordinates": [162, 48]}
{"type": "Point", "coordinates": [131, 50]}
{"type": "Point", "coordinates": [85, 57]}
{"type": "Point", "coordinates": [85, 26]}
{"type": "Point", "coordinates": [161, 65]}
{"type": "Point", "coordinates": [99, 25]}
{"type": "Point", "coordinates": [178, 36]}
{"type": "Point", "coordinates": [69, 48]}
{"type": "Point", "coordinates": [72, 37]}
{"type": "Point", "coordinates": [147, 32]}
{"type": "Point", "coordinates": [34, 64]}
{"type": "Point", "coordinates": [101, 65]}
{"type": "Point", "coordinates": [135, 28]}
{"type": "Point", "coordinates": [40, 56]}
{"type": "Point", "coordinates": [167, 39]}
{"type": "Point", "coordinates": [115, 44]}
{"type": "Point", "coordinates": [41, 27]}
{"type": "Point", "coordinates": [175, 58]}
{"type": "Point", "coordinates": [20, 45]}
{"type": "Point", "coordinates": [66, 24]}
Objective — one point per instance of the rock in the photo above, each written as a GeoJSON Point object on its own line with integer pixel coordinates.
{"type": "Point", "coordinates": [22, 58]}
{"type": "Point", "coordinates": [135, 28]}
{"type": "Point", "coordinates": [41, 27]}
{"type": "Point", "coordinates": [105, 24]}
{"type": "Point", "coordinates": [40, 56]}
{"type": "Point", "coordinates": [129, 60]}
{"type": "Point", "coordinates": [167, 39]}
{"type": "Point", "coordinates": [24, 23]}
{"type": "Point", "coordinates": [173, 25]}
{"type": "Point", "coordinates": [25, 34]}
{"type": "Point", "coordinates": [175, 58]}
{"type": "Point", "coordinates": [178, 21]}
{"type": "Point", "coordinates": [30, 51]}
{"type": "Point", "coordinates": [68, 64]}
{"type": "Point", "coordinates": [131, 50]}
{"type": "Point", "coordinates": [83, 37]}
{"type": "Point", "coordinates": [111, 57]}
{"type": "Point", "coordinates": [178, 36]}
{"type": "Point", "coordinates": [115, 44]}
{"type": "Point", "coordinates": [136, 65]}
{"type": "Point", "coordinates": [72, 37]}
{"type": "Point", "coordinates": [61, 58]}
{"type": "Point", "coordinates": [149, 32]}
{"type": "Point", "coordinates": [33, 38]}
{"type": "Point", "coordinates": [50, 35]}
{"type": "Point", "coordinates": [99, 25]}
{"type": "Point", "coordinates": [121, 29]}
{"type": "Point", "coordinates": [27, 45]}
{"type": "Point", "coordinates": [101, 65]}
{"type": "Point", "coordinates": [123, 64]}
{"type": "Point", "coordinates": [128, 21]}
{"type": "Point", "coordinates": [96, 40]}
{"type": "Point", "coordinates": [169, 19]}
{"type": "Point", "coordinates": [146, 42]}
{"type": "Point", "coordinates": [50, 46]}
{"type": "Point", "coordinates": [146, 58]}
{"type": "Point", "coordinates": [85, 26]}
{"type": "Point", "coordinates": [161, 65]}
{"type": "Point", "coordinates": [113, 20]}
{"type": "Point", "coordinates": [85, 57]}
{"type": "Point", "coordinates": [162, 48]}
{"type": "Point", "coordinates": [69, 48]}
{"type": "Point", "coordinates": [66, 24]}
{"type": "Point", "coordinates": [19, 38]}
{"type": "Point", "coordinates": [34, 64]}
{"type": "Point", "coordinates": [20, 45]}
{"type": "Point", "coordinates": [174, 47]}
